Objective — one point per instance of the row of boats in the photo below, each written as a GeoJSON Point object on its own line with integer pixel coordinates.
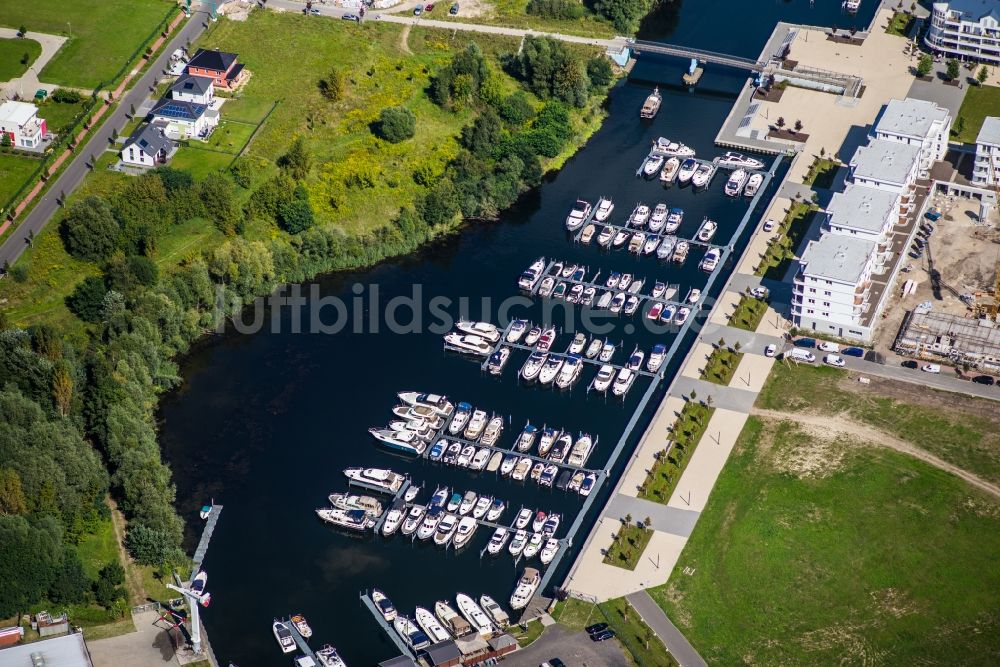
{"type": "Point", "coordinates": [282, 630]}
{"type": "Point", "coordinates": [659, 219]}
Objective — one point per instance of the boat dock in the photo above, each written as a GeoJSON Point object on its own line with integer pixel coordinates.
{"type": "Point", "coordinates": [379, 489]}
{"type": "Point", "coordinates": [206, 536]}
{"type": "Point", "coordinates": [534, 457]}
{"type": "Point", "coordinates": [656, 153]}
{"type": "Point", "coordinates": [631, 230]}
{"type": "Point", "coordinates": [397, 500]}
{"type": "Point", "coordinates": [403, 647]}
{"type": "Point", "coordinates": [300, 641]}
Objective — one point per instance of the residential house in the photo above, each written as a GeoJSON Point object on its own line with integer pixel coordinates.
{"type": "Point", "coordinates": [986, 170]}
{"type": "Point", "coordinates": [917, 123]}
{"type": "Point", "coordinates": [888, 165]}
{"type": "Point", "coordinates": [197, 89]}
{"type": "Point", "coordinates": [866, 213]}
{"type": "Point", "coordinates": [184, 120]}
{"type": "Point", "coordinates": [966, 29]}
{"type": "Point", "coordinates": [20, 122]}
{"type": "Point", "coordinates": [148, 146]}
{"type": "Point", "coordinates": [220, 66]}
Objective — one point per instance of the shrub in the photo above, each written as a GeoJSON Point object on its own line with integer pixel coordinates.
{"type": "Point", "coordinates": [87, 299]}
{"type": "Point", "coordinates": [89, 230]}
{"type": "Point", "coordinates": [66, 96]}
{"type": "Point", "coordinates": [600, 72]}
{"type": "Point", "coordinates": [149, 546]}
{"type": "Point", "coordinates": [556, 9]}
{"type": "Point", "coordinates": [295, 216]}
{"type": "Point", "coordinates": [516, 109]}
{"type": "Point", "coordinates": [396, 124]}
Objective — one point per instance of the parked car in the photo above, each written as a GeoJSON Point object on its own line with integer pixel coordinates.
{"type": "Point", "coordinates": [351, 17]}
{"type": "Point", "coordinates": [429, 7]}
{"type": "Point", "coordinates": [853, 352]}
{"type": "Point", "coordinates": [314, 11]}
{"type": "Point", "coordinates": [760, 292]}
{"type": "Point", "coordinates": [418, 10]}
{"type": "Point", "coordinates": [801, 355]}
{"type": "Point", "coordinates": [596, 627]}
{"type": "Point", "coordinates": [454, 9]}
{"type": "Point", "coordinates": [769, 225]}
{"type": "Point", "coordinates": [988, 380]}
{"type": "Point", "coordinates": [834, 360]}
{"type": "Point", "coordinates": [931, 368]}
{"type": "Point", "coordinates": [770, 350]}
{"type": "Point", "coordinates": [909, 363]}
{"type": "Point", "coordinates": [602, 636]}
{"type": "Point", "coordinates": [804, 342]}
{"type": "Point", "coordinates": [827, 346]}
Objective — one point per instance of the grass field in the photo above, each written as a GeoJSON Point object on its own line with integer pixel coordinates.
{"type": "Point", "coordinates": [748, 314]}
{"type": "Point", "coordinates": [834, 553]}
{"type": "Point", "coordinates": [102, 35]}
{"type": "Point", "coordinates": [781, 253]}
{"type": "Point", "coordinates": [667, 469]}
{"type": "Point", "coordinates": [645, 647]}
{"type": "Point", "coordinates": [630, 541]}
{"type": "Point", "coordinates": [59, 116]}
{"type": "Point", "coordinates": [721, 365]}
{"type": "Point", "coordinates": [980, 102]}
{"type": "Point", "coordinates": [12, 52]}
{"type": "Point", "coordinates": [962, 430]}
{"type": "Point", "coordinates": [14, 172]}
{"type": "Point", "coordinates": [513, 13]}
{"type": "Point", "coordinates": [821, 173]}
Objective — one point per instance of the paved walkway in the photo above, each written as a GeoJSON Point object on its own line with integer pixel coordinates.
{"type": "Point", "coordinates": [26, 85]}
{"type": "Point", "coordinates": [673, 520]}
{"type": "Point", "coordinates": [676, 643]}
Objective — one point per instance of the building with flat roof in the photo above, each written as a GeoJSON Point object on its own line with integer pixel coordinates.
{"type": "Point", "coordinates": [64, 651]}
{"type": "Point", "coordinates": [959, 339]}
{"type": "Point", "coordinates": [888, 165]}
{"type": "Point", "coordinates": [20, 122]}
{"type": "Point", "coordinates": [986, 170]}
{"type": "Point", "coordinates": [966, 29]}
{"type": "Point", "coordinates": [866, 213]}
{"type": "Point", "coordinates": [916, 123]}
{"type": "Point", "coordinates": [830, 293]}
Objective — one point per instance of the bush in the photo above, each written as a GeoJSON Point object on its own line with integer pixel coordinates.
{"type": "Point", "coordinates": [87, 299]}
{"type": "Point", "coordinates": [550, 70]}
{"type": "Point", "coordinates": [396, 124]}
{"type": "Point", "coordinates": [107, 588]}
{"type": "Point", "coordinates": [297, 160]}
{"type": "Point", "coordinates": [556, 9]}
{"type": "Point", "coordinates": [149, 546]}
{"type": "Point", "coordinates": [624, 14]}
{"type": "Point", "coordinates": [600, 72]}
{"type": "Point", "coordinates": [295, 216]}
{"type": "Point", "coordinates": [332, 87]}
{"type": "Point", "coordinates": [89, 230]}
{"type": "Point", "coordinates": [218, 196]}
{"type": "Point", "coordinates": [66, 96]}
{"type": "Point", "coordinates": [19, 273]}
{"type": "Point", "coordinates": [516, 109]}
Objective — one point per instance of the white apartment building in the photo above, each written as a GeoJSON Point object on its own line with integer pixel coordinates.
{"type": "Point", "coordinates": [917, 123]}
{"type": "Point", "coordinates": [865, 213]}
{"type": "Point", "coordinates": [966, 29]}
{"type": "Point", "coordinates": [986, 170]}
{"type": "Point", "coordinates": [888, 165]}
{"type": "Point", "coordinates": [830, 293]}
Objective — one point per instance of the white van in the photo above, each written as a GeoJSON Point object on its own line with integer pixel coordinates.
{"type": "Point", "coordinates": [798, 354]}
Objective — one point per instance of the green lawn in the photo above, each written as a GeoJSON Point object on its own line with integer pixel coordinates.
{"type": "Point", "coordinates": [513, 14]}
{"type": "Point", "coordinates": [98, 549]}
{"type": "Point", "coordinates": [630, 541]}
{"type": "Point", "coordinates": [748, 314]}
{"type": "Point", "coordinates": [980, 101]}
{"type": "Point", "coordinates": [900, 24]}
{"type": "Point", "coordinates": [645, 647]}
{"type": "Point", "coordinates": [721, 365]}
{"type": "Point", "coordinates": [575, 614]}
{"type": "Point", "coordinates": [60, 116]}
{"type": "Point", "coordinates": [529, 634]}
{"type": "Point", "coordinates": [15, 170]}
{"type": "Point", "coordinates": [960, 429]}
{"type": "Point", "coordinates": [685, 435]}
{"type": "Point", "coordinates": [821, 173]}
{"type": "Point", "coordinates": [873, 558]}
{"type": "Point", "coordinates": [102, 35]}
{"type": "Point", "coordinates": [792, 229]}
{"type": "Point", "coordinates": [12, 53]}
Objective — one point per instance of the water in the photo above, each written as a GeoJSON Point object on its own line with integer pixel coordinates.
{"type": "Point", "coordinates": [265, 423]}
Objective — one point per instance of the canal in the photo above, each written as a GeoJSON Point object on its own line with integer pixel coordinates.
{"type": "Point", "coordinates": [265, 423]}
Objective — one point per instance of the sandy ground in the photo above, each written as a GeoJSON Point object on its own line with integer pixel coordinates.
{"type": "Point", "coordinates": [752, 372]}
{"type": "Point", "coordinates": [724, 307]}
{"type": "Point", "coordinates": [832, 426]}
{"type": "Point", "coordinates": [696, 363]}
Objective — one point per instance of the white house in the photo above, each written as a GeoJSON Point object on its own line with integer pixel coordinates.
{"type": "Point", "coordinates": [966, 29]}
{"type": "Point", "coordinates": [831, 291]}
{"type": "Point", "coordinates": [20, 122]}
{"type": "Point", "coordinates": [866, 213]}
{"type": "Point", "coordinates": [917, 123]}
{"type": "Point", "coordinates": [890, 166]}
{"type": "Point", "coordinates": [986, 170]}
{"type": "Point", "coordinates": [147, 147]}
{"type": "Point", "coordinates": [197, 89]}
{"type": "Point", "coordinates": [184, 120]}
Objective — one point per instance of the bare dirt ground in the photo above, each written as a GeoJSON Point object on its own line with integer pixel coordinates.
{"type": "Point", "coordinates": [965, 251]}
{"type": "Point", "coordinates": [827, 427]}
{"type": "Point", "coordinates": [404, 39]}
{"type": "Point", "coordinates": [467, 8]}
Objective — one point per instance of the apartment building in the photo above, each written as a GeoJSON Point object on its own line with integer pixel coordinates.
{"type": "Point", "coordinates": [916, 123]}
{"type": "Point", "coordinates": [866, 213]}
{"type": "Point", "coordinates": [888, 165]}
{"type": "Point", "coordinates": [986, 170]}
{"type": "Point", "coordinates": [966, 29]}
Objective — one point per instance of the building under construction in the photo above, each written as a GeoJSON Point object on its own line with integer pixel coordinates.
{"type": "Point", "coordinates": [963, 340]}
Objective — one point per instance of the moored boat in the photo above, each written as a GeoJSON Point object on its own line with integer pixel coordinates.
{"type": "Point", "coordinates": [494, 611]}
{"type": "Point", "coordinates": [670, 169]}
{"type": "Point", "coordinates": [735, 183]}
{"type": "Point", "coordinates": [476, 616]}
{"type": "Point", "coordinates": [707, 230]}
{"type": "Point", "coordinates": [651, 106]}
{"type": "Point", "coordinates": [468, 343]}
{"type": "Point", "coordinates": [430, 625]}
{"type": "Point", "coordinates": [525, 589]}
{"type": "Point", "coordinates": [383, 604]}
{"type": "Point", "coordinates": [604, 209]}
{"type": "Point", "coordinates": [283, 635]}
{"type": "Point", "coordinates": [753, 184]}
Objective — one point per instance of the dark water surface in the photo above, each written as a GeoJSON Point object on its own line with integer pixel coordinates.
{"type": "Point", "coordinates": [265, 423]}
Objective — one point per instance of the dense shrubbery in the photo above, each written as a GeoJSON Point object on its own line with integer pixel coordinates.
{"type": "Point", "coordinates": [551, 70]}
{"type": "Point", "coordinates": [625, 15]}
{"type": "Point", "coordinates": [556, 9]}
{"type": "Point", "coordinates": [396, 124]}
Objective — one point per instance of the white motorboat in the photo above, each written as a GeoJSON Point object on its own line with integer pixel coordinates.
{"type": "Point", "coordinates": [498, 541]}
{"type": "Point", "coordinates": [589, 482]}
{"type": "Point", "coordinates": [707, 230]}
{"type": "Point", "coordinates": [561, 448]}
{"type": "Point", "coordinates": [710, 260]}
{"type": "Point", "coordinates": [494, 611]}
{"type": "Point", "coordinates": [410, 633]}
{"type": "Point", "coordinates": [735, 160]}
{"type": "Point", "coordinates": [631, 305]}
{"type": "Point", "coordinates": [735, 183]}
{"type": "Point", "coordinates": [635, 360]}
{"type": "Point", "coordinates": [545, 289]}
{"type": "Point", "coordinates": [538, 521]}
{"type": "Point", "coordinates": [623, 382]}
{"type": "Point", "coordinates": [605, 237]}
{"type": "Point", "coordinates": [492, 432]}
{"type": "Point", "coordinates": [468, 343]}
{"type": "Point", "coordinates": [525, 589]}
{"type": "Point", "coordinates": [466, 529]}
{"type": "Point", "coordinates": [636, 242]}
{"type": "Point", "coordinates": [621, 237]}
{"type": "Point", "coordinates": [551, 525]}
{"type": "Point", "coordinates": [605, 299]}
{"type": "Point", "coordinates": [659, 288]}
{"type": "Point", "coordinates": [328, 657]}
{"type": "Point", "coordinates": [682, 314]}
{"type": "Point", "coordinates": [605, 376]}
{"type": "Point", "coordinates": [526, 440]}
{"type": "Point", "coordinates": [517, 544]}
{"type": "Point", "coordinates": [465, 456]}
{"type": "Point", "coordinates": [636, 285]}
{"type": "Point", "coordinates": [393, 520]}
{"type": "Point", "coordinates": [496, 509]}
{"type": "Point", "coordinates": [523, 518]}
{"type": "Point", "coordinates": [703, 175]}
{"type": "Point", "coordinates": [578, 215]}
{"type": "Point", "coordinates": [674, 220]}
{"type": "Point", "coordinates": [656, 357]}
{"type": "Point", "coordinates": [533, 365]}
{"type": "Point", "coordinates": [413, 519]}
{"type": "Point", "coordinates": [550, 369]}
{"type": "Point", "coordinates": [753, 184]}
{"type": "Point", "coordinates": [666, 248]}
{"type": "Point", "coordinates": [468, 502]}
{"type": "Point", "coordinates": [480, 508]}
{"type": "Point", "coordinates": [570, 371]}
{"type": "Point", "coordinates": [409, 440]}
{"type": "Point", "coordinates": [516, 330]}
{"type": "Point", "coordinates": [349, 501]}
{"type": "Point", "coordinates": [667, 316]}
{"type": "Point", "coordinates": [681, 251]}
{"type": "Point", "coordinates": [419, 413]}
{"type": "Point", "coordinates": [547, 338]}
{"type": "Point", "coordinates": [476, 424]}
{"type": "Point", "coordinates": [687, 169]}
{"type": "Point", "coordinates": [380, 478]}
{"type": "Point", "coordinates": [581, 451]}
{"type": "Point", "coordinates": [575, 482]}
{"type": "Point", "coordinates": [536, 471]}
{"type": "Point", "coordinates": [652, 165]}
{"type": "Point", "coordinates": [430, 625]}
{"type": "Point", "coordinates": [594, 348]}
{"type": "Point", "coordinates": [694, 295]}
{"type": "Point", "coordinates": [495, 364]}
{"type": "Point", "coordinates": [445, 529]}
{"type": "Point", "coordinates": [640, 215]}
{"type": "Point", "coordinates": [454, 502]}
{"type": "Point", "coordinates": [450, 619]}
{"type": "Point", "coordinates": [508, 464]}
{"type": "Point", "coordinates": [670, 168]}
{"type": "Point", "coordinates": [534, 333]}
{"type": "Point", "coordinates": [612, 280]}
{"type": "Point", "coordinates": [430, 523]}
{"type": "Point", "coordinates": [607, 351]}
{"type": "Point", "coordinates": [588, 233]}
{"type": "Point", "coordinates": [579, 342]}
{"type": "Point", "coordinates": [283, 634]}
{"type": "Point", "coordinates": [461, 418]}
{"type": "Point", "coordinates": [451, 454]}
{"type": "Point", "coordinates": [521, 470]}
{"type": "Point", "coordinates": [604, 209]}
{"type": "Point", "coordinates": [851, 6]}
{"type": "Point", "coordinates": [384, 605]}
{"type": "Point", "coordinates": [658, 217]}
{"type": "Point", "coordinates": [673, 148]}
{"type": "Point", "coordinates": [650, 246]}
{"type": "Point", "coordinates": [618, 302]}
{"type": "Point", "coordinates": [436, 402]}
{"type": "Point", "coordinates": [569, 270]}
{"type": "Point", "coordinates": [476, 616]}
{"type": "Point", "coordinates": [533, 546]}
{"type": "Point", "coordinates": [440, 497]}
{"type": "Point", "coordinates": [549, 551]}
{"type": "Point", "coordinates": [549, 436]}
{"type": "Point", "coordinates": [532, 275]}
{"type": "Point", "coordinates": [652, 104]}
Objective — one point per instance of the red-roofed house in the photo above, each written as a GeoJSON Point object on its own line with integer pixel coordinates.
{"type": "Point", "coordinates": [221, 67]}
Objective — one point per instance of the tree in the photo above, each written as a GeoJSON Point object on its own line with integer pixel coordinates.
{"type": "Point", "coordinates": [798, 126]}
{"type": "Point", "coordinates": [30, 553]}
{"type": "Point", "coordinates": [332, 87]}
{"type": "Point", "coordinates": [62, 388]}
{"type": "Point", "coordinates": [516, 109]}
{"type": "Point", "coordinates": [600, 72]}
{"type": "Point", "coordinates": [550, 70]}
{"type": "Point", "coordinates": [484, 135]}
{"type": "Point", "coordinates": [623, 14]}
{"type": "Point", "coordinates": [557, 9]}
{"type": "Point", "coordinates": [174, 180]}
{"type": "Point", "coordinates": [87, 299]}
{"type": "Point", "coordinates": [89, 230]}
{"type": "Point", "coordinates": [396, 124]}
{"type": "Point", "coordinates": [737, 346]}
{"type": "Point", "coordinates": [295, 215]}
{"type": "Point", "coordinates": [107, 587]}
{"type": "Point", "coordinates": [297, 160]}
{"type": "Point", "coordinates": [12, 500]}
{"type": "Point", "coordinates": [780, 123]}
{"type": "Point", "coordinates": [959, 125]}
{"type": "Point", "coordinates": [70, 583]}
{"type": "Point", "coordinates": [925, 65]}
{"type": "Point", "coordinates": [628, 519]}
{"type": "Point", "coordinates": [647, 523]}
{"type": "Point", "coordinates": [218, 196]}
{"type": "Point", "coordinates": [982, 75]}
{"type": "Point", "coordinates": [953, 69]}
{"type": "Point", "coordinates": [148, 546]}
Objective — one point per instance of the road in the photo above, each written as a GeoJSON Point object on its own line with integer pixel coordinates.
{"type": "Point", "coordinates": [676, 643]}
{"type": "Point", "coordinates": [71, 177]}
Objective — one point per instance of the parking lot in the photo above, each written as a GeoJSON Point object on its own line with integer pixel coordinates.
{"type": "Point", "coordinates": [573, 648]}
